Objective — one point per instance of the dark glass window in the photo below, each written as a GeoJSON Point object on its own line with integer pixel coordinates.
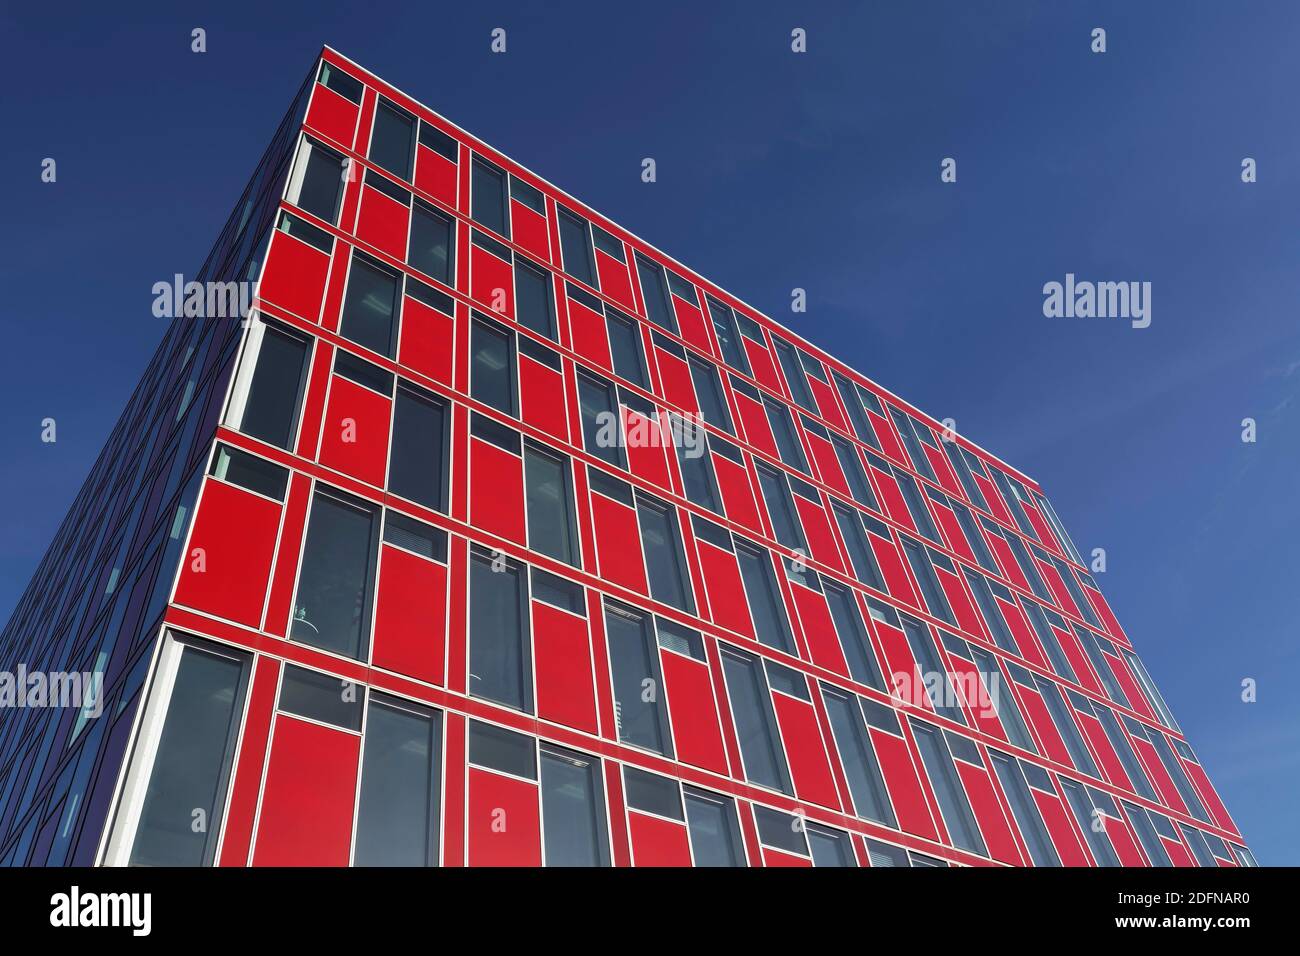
{"type": "Point", "coordinates": [1025, 810]}
{"type": "Point", "coordinates": [601, 429]}
{"type": "Point", "coordinates": [661, 544]}
{"type": "Point", "coordinates": [781, 831]}
{"type": "Point", "coordinates": [415, 536]}
{"type": "Point", "coordinates": [438, 141]}
{"type": "Point", "coordinates": [625, 348]}
{"type": "Point", "coordinates": [853, 636]}
{"type": "Point", "coordinates": [393, 140]}
{"type": "Point", "coordinates": [575, 244]}
{"type": "Point", "coordinates": [397, 815]}
{"type": "Point", "coordinates": [250, 472]}
{"type": "Point", "coordinates": [492, 360]}
{"type": "Point", "coordinates": [505, 750]}
{"type": "Point", "coordinates": [488, 200]}
{"type": "Point", "coordinates": [919, 558]}
{"type": "Point", "coordinates": [999, 692]}
{"type": "Point", "coordinates": [780, 508]}
{"type": "Point", "coordinates": [318, 186]}
{"type": "Point", "coordinates": [830, 847]}
{"type": "Point", "coordinates": [652, 793]}
{"type": "Point", "coordinates": [549, 497]}
{"type": "Point", "coordinates": [332, 609]}
{"type": "Point", "coordinates": [708, 391]}
{"type": "Point", "coordinates": [430, 250]}
{"type": "Point", "coordinates": [765, 606]}
{"type": "Point", "coordinates": [937, 684]}
{"type": "Point", "coordinates": [1066, 726]}
{"type": "Point", "coordinates": [338, 81]}
{"type": "Point", "coordinates": [534, 298]}
{"type": "Point", "coordinates": [573, 812]}
{"type": "Point", "coordinates": [499, 666]}
{"type": "Point", "coordinates": [639, 710]}
{"type": "Point", "coordinates": [271, 410]}
{"type": "Point", "coordinates": [794, 374]}
{"type": "Point", "coordinates": [417, 467]}
{"type": "Point", "coordinates": [866, 783]}
{"type": "Point", "coordinates": [851, 465]}
{"type": "Point", "coordinates": [715, 834]}
{"type": "Point", "coordinates": [751, 708]}
{"type": "Point", "coordinates": [655, 293]}
{"type": "Point", "coordinates": [947, 786]}
{"type": "Point", "coordinates": [696, 464]}
{"type": "Point", "coordinates": [860, 554]}
{"type": "Point", "coordinates": [787, 443]}
{"type": "Point", "coordinates": [724, 324]}
{"type": "Point", "coordinates": [370, 307]}
{"type": "Point", "coordinates": [320, 697]}
{"type": "Point", "coordinates": [191, 767]}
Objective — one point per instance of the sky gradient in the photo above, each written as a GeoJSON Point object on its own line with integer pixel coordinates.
{"type": "Point", "coordinates": [776, 171]}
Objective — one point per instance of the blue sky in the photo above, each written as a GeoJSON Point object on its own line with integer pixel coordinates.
{"type": "Point", "coordinates": [776, 171]}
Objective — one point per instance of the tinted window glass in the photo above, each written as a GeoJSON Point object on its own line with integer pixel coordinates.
{"type": "Point", "coordinates": [417, 467]}
{"type": "Point", "coordinates": [575, 244]}
{"type": "Point", "coordinates": [751, 708]}
{"type": "Point", "coordinates": [573, 829]}
{"type": "Point", "coordinates": [392, 141]}
{"type": "Point", "coordinates": [430, 250]}
{"type": "Point", "coordinates": [397, 815]}
{"type": "Point", "coordinates": [498, 642]}
{"type": "Point", "coordinates": [549, 501]}
{"type": "Point", "coordinates": [493, 367]}
{"type": "Point", "coordinates": [634, 666]}
{"type": "Point", "coordinates": [715, 835]}
{"type": "Point", "coordinates": [370, 307]}
{"type": "Point", "coordinates": [331, 610]}
{"type": "Point", "coordinates": [488, 207]}
{"type": "Point", "coordinates": [271, 411]}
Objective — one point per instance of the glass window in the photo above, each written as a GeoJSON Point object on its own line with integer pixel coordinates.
{"type": "Point", "coordinates": [417, 467]}
{"type": "Point", "coordinates": [751, 708]}
{"type": "Point", "coordinates": [794, 374]}
{"type": "Point", "coordinates": [1000, 695]}
{"type": "Point", "coordinates": [714, 832]}
{"type": "Point", "coordinates": [765, 606]}
{"type": "Point", "coordinates": [338, 81]}
{"type": "Point", "coordinates": [655, 293]}
{"type": "Point", "coordinates": [575, 244]}
{"type": "Point", "coordinates": [438, 141]}
{"type": "Point", "coordinates": [860, 554]}
{"type": "Point", "coordinates": [708, 391]}
{"type": "Point", "coordinates": [662, 546]}
{"type": "Point", "coordinates": [556, 591]}
{"type": "Point", "coordinates": [853, 636]}
{"type": "Point", "coordinates": [914, 449]}
{"type": "Point", "coordinates": [781, 831]}
{"type": "Point", "coordinates": [191, 766]}
{"type": "Point", "coordinates": [639, 711]}
{"type": "Point", "coordinates": [271, 410]}
{"type": "Point", "coordinates": [851, 465]}
{"type": "Point", "coordinates": [573, 812]}
{"type": "Point", "coordinates": [534, 298]}
{"type": "Point", "coordinates": [488, 201]}
{"type": "Point", "coordinates": [829, 847]}
{"type": "Point", "coordinates": [317, 182]}
{"type": "Point", "coordinates": [937, 685]}
{"type": "Point", "coordinates": [948, 790]}
{"type": "Point", "coordinates": [919, 558]}
{"type": "Point", "coordinates": [1025, 810]}
{"type": "Point", "coordinates": [393, 140]}
{"type": "Point", "coordinates": [504, 750]}
{"type": "Point", "coordinates": [549, 497]}
{"type": "Point", "coordinates": [625, 348]}
{"type": "Point", "coordinates": [866, 784]}
{"type": "Point", "coordinates": [724, 324]}
{"type": "Point", "coordinates": [787, 443]}
{"type": "Point", "coordinates": [886, 854]}
{"type": "Point", "coordinates": [320, 697]}
{"type": "Point", "coordinates": [1147, 836]}
{"type": "Point", "coordinates": [397, 815]}
{"type": "Point", "coordinates": [492, 360]}
{"type": "Point", "coordinates": [696, 464]}
{"type": "Point", "coordinates": [1091, 821]}
{"type": "Point", "coordinates": [996, 623]}
{"type": "Point", "coordinates": [916, 505]}
{"type": "Point", "coordinates": [1066, 726]}
{"type": "Point", "coordinates": [652, 793]}
{"type": "Point", "coordinates": [332, 609]}
{"type": "Point", "coordinates": [600, 422]}
{"type": "Point", "coordinates": [780, 508]}
{"type": "Point", "coordinates": [430, 250]}
{"type": "Point", "coordinates": [1119, 740]}
{"type": "Point", "coordinates": [499, 666]}
{"type": "Point", "coordinates": [415, 536]}
{"type": "Point", "coordinates": [370, 307]}
{"type": "Point", "coordinates": [250, 472]}
{"type": "Point", "coordinates": [853, 405]}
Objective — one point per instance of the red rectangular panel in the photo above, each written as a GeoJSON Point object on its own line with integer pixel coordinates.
{"type": "Point", "coordinates": [354, 435]}
{"type": "Point", "coordinates": [618, 543]}
{"type": "Point", "coordinates": [492, 282]}
{"type": "Point", "coordinates": [810, 768]}
{"type": "Point", "coordinates": [436, 175]}
{"type": "Point", "coordinates": [306, 817]}
{"type": "Point", "coordinates": [496, 501]}
{"type": "Point", "coordinates": [562, 653]}
{"type": "Point", "coordinates": [658, 842]}
{"type": "Point", "coordinates": [697, 733]}
{"type": "Point", "coordinates": [410, 616]}
{"type": "Point", "coordinates": [383, 222]}
{"type": "Point", "coordinates": [426, 341]}
{"type": "Point", "coordinates": [332, 115]}
{"type": "Point", "coordinates": [504, 821]}
{"type": "Point", "coordinates": [905, 789]}
{"type": "Point", "coordinates": [294, 276]}
{"type": "Point", "coordinates": [228, 561]}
